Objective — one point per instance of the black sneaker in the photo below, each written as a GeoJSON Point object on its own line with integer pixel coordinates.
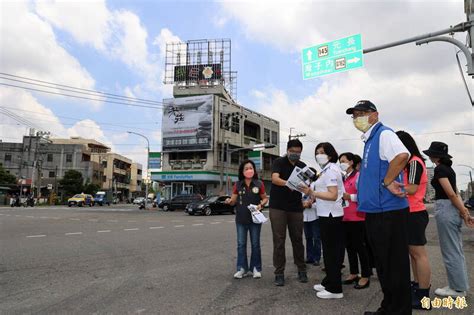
{"type": "Point", "coordinates": [302, 276]}
{"type": "Point", "coordinates": [279, 280]}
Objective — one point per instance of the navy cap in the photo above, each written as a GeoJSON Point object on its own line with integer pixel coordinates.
{"type": "Point", "coordinates": [363, 106]}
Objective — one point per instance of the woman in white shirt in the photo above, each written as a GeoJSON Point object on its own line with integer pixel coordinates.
{"type": "Point", "coordinates": [329, 189]}
{"type": "Point", "coordinates": [311, 229]}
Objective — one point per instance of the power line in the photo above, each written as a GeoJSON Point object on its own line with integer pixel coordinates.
{"type": "Point", "coordinates": [80, 97]}
{"type": "Point", "coordinates": [76, 89]}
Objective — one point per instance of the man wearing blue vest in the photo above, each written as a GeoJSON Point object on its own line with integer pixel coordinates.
{"type": "Point", "coordinates": [381, 196]}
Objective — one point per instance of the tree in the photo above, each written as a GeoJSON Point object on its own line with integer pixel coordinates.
{"type": "Point", "coordinates": [91, 188]}
{"type": "Point", "coordinates": [72, 183]}
{"type": "Point", "coordinates": [5, 177]}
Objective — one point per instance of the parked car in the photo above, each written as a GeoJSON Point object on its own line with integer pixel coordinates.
{"type": "Point", "coordinates": [179, 202]}
{"type": "Point", "coordinates": [103, 198]}
{"type": "Point", "coordinates": [81, 200]}
{"type": "Point", "coordinates": [210, 205]}
{"type": "Point", "coordinates": [469, 203]}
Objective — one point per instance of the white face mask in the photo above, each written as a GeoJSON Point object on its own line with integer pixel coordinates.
{"type": "Point", "coordinates": [362, 123]}
{"type": "Point", "coordinates": [322, 159]}
{"type": "Point", "coordinates": [344, 166]}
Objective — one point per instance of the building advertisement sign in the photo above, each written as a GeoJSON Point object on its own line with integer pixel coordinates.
{"type": "Point", "coordinates": [188, 123]}
{"type": "Point", "coordinates": [154, 160]}
{"type": "Point", "coordinates": [256, 157]}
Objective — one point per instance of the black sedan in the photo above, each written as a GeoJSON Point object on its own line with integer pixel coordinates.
{"type": "Point", "coordinates": [210, 205]}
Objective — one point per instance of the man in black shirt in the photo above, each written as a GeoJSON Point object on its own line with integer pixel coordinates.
{"type": "Point", "coordinates": [286, 211]}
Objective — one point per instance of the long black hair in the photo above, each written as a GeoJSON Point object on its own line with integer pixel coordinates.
{"type": "Point", "coordinates": [410, 144]}
{"type": "Point", "coordinates": [241, 169]}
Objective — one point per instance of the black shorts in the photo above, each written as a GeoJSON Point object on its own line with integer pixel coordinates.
{"type": "Point", "coordinates": [417, 222]}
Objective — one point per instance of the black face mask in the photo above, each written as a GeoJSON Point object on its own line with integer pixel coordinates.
{"type": "Point", "coordinates": [293, 157]}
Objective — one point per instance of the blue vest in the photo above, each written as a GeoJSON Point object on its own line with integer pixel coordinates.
{"type": "Point", "coordinates": [372, 196]}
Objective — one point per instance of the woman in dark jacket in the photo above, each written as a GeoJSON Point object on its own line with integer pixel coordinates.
{"type": "Point", "coordinates": [248, 190]}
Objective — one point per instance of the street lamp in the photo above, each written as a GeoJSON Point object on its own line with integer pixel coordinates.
{"type": "Point", "coordinates": [257, 147]}
{"type": "Point", "coordinates": [147, 164]}
{"type": "Point", "coordinates": [470, 172]}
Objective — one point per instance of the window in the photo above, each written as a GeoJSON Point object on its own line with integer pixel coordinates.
{"type": "Point", "coordinates": [50, 158]}
{"type": "Point", "coordinates": [8, 157]}
{"type": "Point", "coordinates": [52, 174]}
{"type": "Point", "coordinates": [266, 135]}
{"type": "Point", "coordinates": [275, 137]}
{"type": "Point", "coordinates": [68, 158]}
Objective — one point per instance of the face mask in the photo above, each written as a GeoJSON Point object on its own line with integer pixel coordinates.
{"type": "Point", "coordinates": [322, 159]}
{"type": "Point", "coordinates": [294, 156]}
{"type": "Point", "coordinates": [362, 123]}
{"type": "Point", "coordinates": [249, 174]}
{"type": "Point", "coordinates": [344, 166]}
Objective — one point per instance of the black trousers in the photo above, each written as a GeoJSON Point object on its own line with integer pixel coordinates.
{"type": "Point", "coordinates": [388, 237]}
{"type": "Point", "coordinates": [357, 248]}
{"type": "Point", "coordinates": [332, 239]}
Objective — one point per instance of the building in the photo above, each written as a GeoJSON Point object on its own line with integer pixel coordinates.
{"type": "Point", "coordinates": [203, 155]}
{"type": "Point", "coordinates": [42, 162]}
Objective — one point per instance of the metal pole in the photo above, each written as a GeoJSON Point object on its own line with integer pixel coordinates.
{"type": "Point", "coordinates": [227, 164]}
{"type": "Point", "coordinates": [147, 164]}
{"type": "Point", "coordinates": [461, 27]}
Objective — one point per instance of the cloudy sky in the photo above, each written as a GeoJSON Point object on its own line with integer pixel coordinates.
{"type": "Point", "coordinates": [117, 47]}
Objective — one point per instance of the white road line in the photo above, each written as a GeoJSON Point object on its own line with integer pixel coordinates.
{"type": "Point", "coordinates": [104, 231]}
{"type": "Point", "coordinates": [30, 216]}
{"type": "Point", "coordinates": [198, 224]}
{"type": "Point", "coordinates": [93, 220]}
{"type": "Point", "coordinates": [216, 222]}
{"type": "Point", "coordinates": [131, 221]}
{"type": "Point", "coordinates": [176, 220]}
{"type": "Point", "coordinates": [112, 220]}
{"type": "Point", "coordinates": [134, 229]}
{"type": "Point", "coordinates": [44, 217]}
{"type": "Point", "coordinates": [33, 236]}
{"type": "Point", "coordinates": [177, 226]}
{"type": "Point", "coordinates": [74, 233]}
{"type": "Point", "coordinates": [140, 311]}
{"type": "Point", "coordinates": [73, 219]}
{"type": "Point", "coordinates": [55, 218]}
{"type": "Point", "coordinates": [156, 227]}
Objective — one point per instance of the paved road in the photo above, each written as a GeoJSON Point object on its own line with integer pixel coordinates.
{"type": "Point", "coordinates": [119, 260]}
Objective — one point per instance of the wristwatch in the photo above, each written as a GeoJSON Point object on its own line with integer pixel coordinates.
{"type": "Point", "coordinates": [383, 184]}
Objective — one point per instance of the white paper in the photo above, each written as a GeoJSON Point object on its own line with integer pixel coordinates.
{"type": "Point", "coordinates": [300, 177]}
{"type": "Point", "coordinates": [257, 216]}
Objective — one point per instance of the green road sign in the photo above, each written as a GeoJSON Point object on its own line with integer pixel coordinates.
{"type": "Point", "coordinates": [336, 56]}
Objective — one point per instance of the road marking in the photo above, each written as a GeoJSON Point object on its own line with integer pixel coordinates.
{"type": "Point", "coordinates": [112, 220]}
{"type": "Point", "coordinates": [131, 221]}
{"type": "Point", "coordinates": [74, 233]}
{"type": "Point", "coordinates": [104, 231]}
{"type": "Point", "coordinates": [176, 220]}
{"type": "Point", "coordinates": [198, 224]}
{"type": "Point", "coordinates": [134, 229]}
{"type": "Point", "coordinates": [93, 220]}
{"type": "Point", "coordinates": [44, 217]}
{"type": "Point", "coordinates": [32, 236]}
{"type": "Point", "coordinates": [140, 311]}
{"type": "Point", "coordinates": [73, 219]}
{"type": "Point", "coordinates": [16, 215]}
{"type": "Point", "coordinates": [177, 226]}
{"type": "Point", "coordinates": [156, 227]}
{"type": "Point", "coordinates": [216, 222]}
{"type": "Point", "coordinates": [30, 216]}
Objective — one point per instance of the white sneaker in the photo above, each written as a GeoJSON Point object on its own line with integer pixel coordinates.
{"type": "Point", "coordinates": [328, 295]}
{"type": "Point", "coordinates": [447, 291]}
{"type": "Point", "coordinates": [240, 274]}
{"type": "Point", "coordinates": [256, 274]}
{"type": "Point", "coordinates": [319, 287]}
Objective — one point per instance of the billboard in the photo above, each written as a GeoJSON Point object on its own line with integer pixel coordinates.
{"type": "Point", "coordinates": [154, 160]}
{"type": "Point", "coordinates": [188, 123]}
{"type": "Point", "coordinates": [197, 72]}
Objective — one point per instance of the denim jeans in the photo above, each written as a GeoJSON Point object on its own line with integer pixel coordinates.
{"type": "Point", "coordinates": [449, 224]}
{"type": "Point", "coordinates": [313, 241]}
{"type": "Point", "coordinates": [256, 257]}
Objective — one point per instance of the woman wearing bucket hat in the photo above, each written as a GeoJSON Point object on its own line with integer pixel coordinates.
{"type": "Point", "coordinates": [449, 214]}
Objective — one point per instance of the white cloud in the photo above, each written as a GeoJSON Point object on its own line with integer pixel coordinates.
{"type": "Point", "coordinates": [30, 49]}
{"type": "Point", "coordinates": [23, 104]}
{"type": "Point", "coordinates": [89, 129]}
